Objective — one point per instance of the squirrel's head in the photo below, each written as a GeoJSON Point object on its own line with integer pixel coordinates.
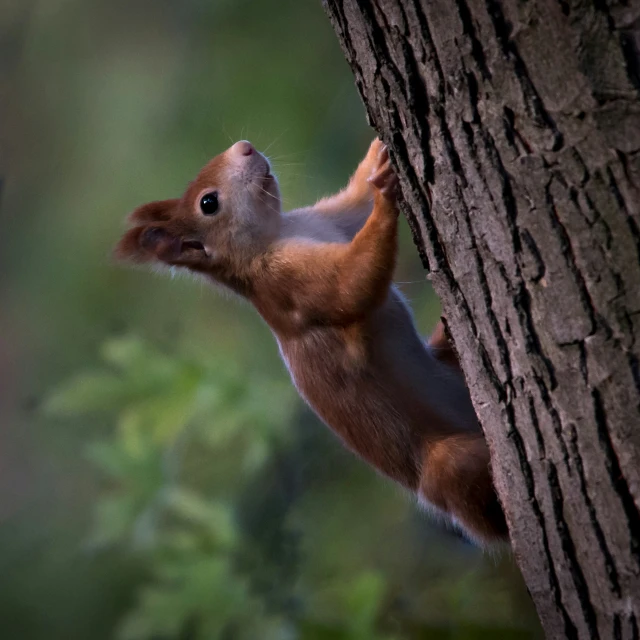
{"type": "Point", "coordinates": [228, 215]}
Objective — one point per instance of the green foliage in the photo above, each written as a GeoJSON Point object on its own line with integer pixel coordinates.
{"type": "Point", "coordinates": [164, 406]}
{"type": "Point", "coordinates": [202, 565]}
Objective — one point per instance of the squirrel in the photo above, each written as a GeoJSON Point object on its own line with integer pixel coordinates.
{"type": "Point", "coordinates": [321, 278]}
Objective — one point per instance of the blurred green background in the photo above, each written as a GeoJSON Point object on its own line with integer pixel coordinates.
{"type": "Point", "coordinates": [159, 477]}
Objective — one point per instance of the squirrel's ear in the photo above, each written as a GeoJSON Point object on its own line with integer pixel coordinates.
{"type": "Point", "coordinates": [143, 242]}
{"type": "Point", "coordinates": [160, 242]}
{"type": "Point", "coordinates": [158, 211]}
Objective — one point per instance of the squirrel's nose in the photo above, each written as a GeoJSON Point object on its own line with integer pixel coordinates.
{"type": "Point", "coordinates": [243, 148]}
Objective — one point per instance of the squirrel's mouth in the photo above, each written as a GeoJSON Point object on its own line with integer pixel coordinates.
{"type": "Point", "coordinates": [268, 178]}
{"type": "Point", "coordinates": [192, 244]}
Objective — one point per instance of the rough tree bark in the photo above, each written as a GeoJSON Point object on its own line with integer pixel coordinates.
{"type": "Point", "coordinates": [515, 128]}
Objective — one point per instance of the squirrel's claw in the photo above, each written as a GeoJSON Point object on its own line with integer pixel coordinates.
{"type": "Point", "coordinates": [384, 176]}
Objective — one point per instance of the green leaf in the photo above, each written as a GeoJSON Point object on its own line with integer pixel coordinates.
{"type": "Point", "coordinates": [126, 352]}
{"type": "Point", "coordinates": [363, 599]}
{"type": "Point", "coordinates": [130, 430]}
{"type": "Point", "coordinates": [166, 416]}
{"type": "Point", "coordinates": [114, 519]}
{"type": "Point", "coordinates": [90, 391]}
{"type": "Point", "coordinates": [215, 516]}
{"type": "Point", "coordinates": [109, 458]}
{"type": "Point", "coordinates": [193, 588]}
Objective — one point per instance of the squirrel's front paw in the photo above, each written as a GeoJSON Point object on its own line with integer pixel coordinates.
{"type": "Point", "coordinates": [359, 185]}
{"type": "Point", "coordinates": [371, 159]}
{"type": "Point", "coordinates": [383, 177]}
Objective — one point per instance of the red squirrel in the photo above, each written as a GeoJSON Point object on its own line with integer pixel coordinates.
{"type": "Point", "coordinates": [321, 278]}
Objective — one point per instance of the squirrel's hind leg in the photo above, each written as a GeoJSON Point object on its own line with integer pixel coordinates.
{"type": "Point", "coordinates": [442, 347]}
{"type": "Point", "coordinates": [456, 479]}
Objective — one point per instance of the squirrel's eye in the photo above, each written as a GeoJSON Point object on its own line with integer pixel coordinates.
{"type": "Point", "coordinates": [209, 203]}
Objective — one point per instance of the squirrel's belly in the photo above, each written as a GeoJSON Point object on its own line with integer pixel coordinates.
{"type": "Point", "coordinates": [351, 400]}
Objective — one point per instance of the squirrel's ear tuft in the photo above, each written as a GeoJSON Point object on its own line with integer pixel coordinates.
{"type": "Point", "coordinates": [130, 247]}
{"type": "Point", "coordinates": [143, 242]}
{"type": "Point", "coordinates": [158, 211]}
{"type": "Point", "coordinates": [149, 243]}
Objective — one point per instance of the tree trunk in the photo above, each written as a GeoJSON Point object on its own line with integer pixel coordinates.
{"type": "Point", "coordinates": [515, 129]}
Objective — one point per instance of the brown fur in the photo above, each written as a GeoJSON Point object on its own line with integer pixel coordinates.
{"type": "Point", "coordinates": [321, 277]}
